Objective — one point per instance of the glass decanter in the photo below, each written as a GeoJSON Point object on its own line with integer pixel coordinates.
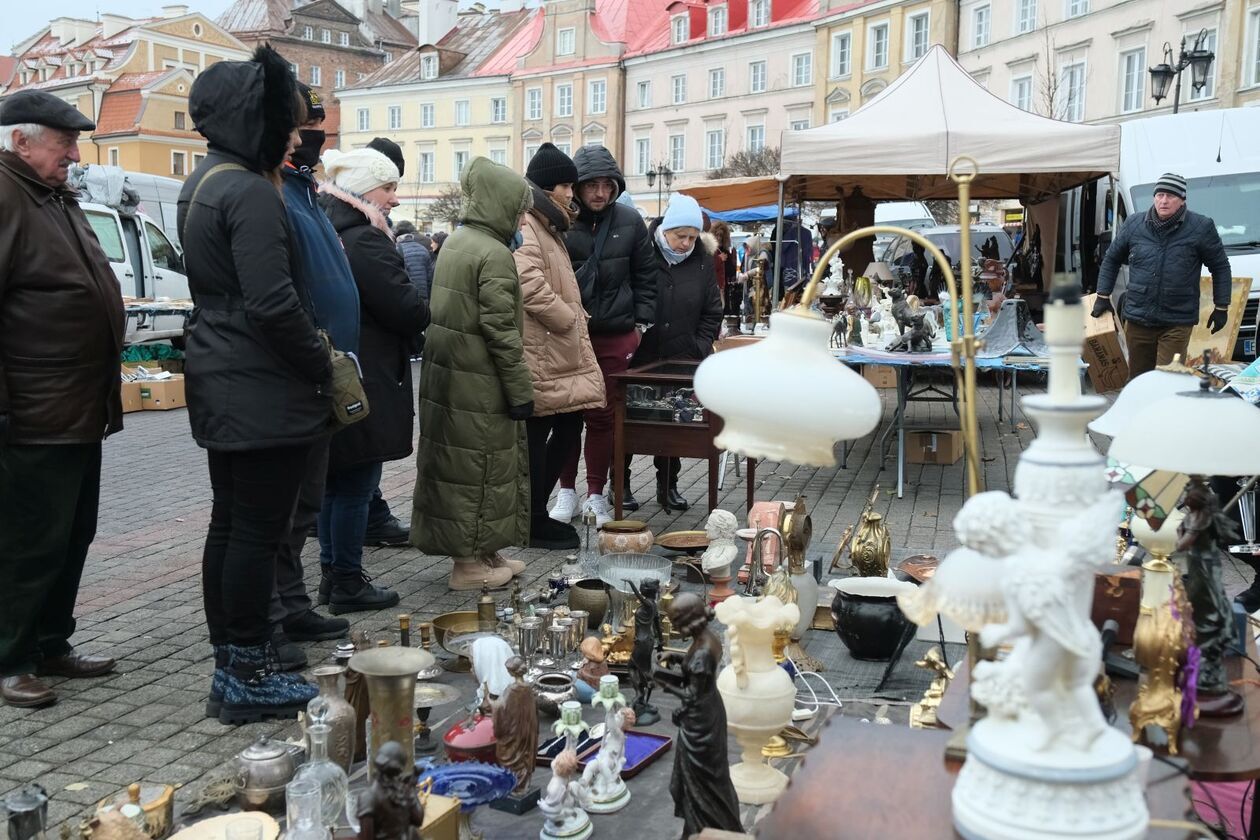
{"type": "Point", "coordinates": [302, 811]}
{"type": "Point", "coordinates": [334, 784]}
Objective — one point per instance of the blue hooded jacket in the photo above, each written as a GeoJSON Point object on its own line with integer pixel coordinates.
{"type": "Point", "coordinates": [321, 261]}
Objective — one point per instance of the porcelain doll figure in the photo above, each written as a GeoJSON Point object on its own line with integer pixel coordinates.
{"type": "Point", "coordinates": [647, 636]}
{"type": "Point", "coordinates": [390, 809]}
{"type": "Point", "coordinates": [563, 801]}
{"type": "Point", "coordinates": [516, 726]}
{"type": "Point", "coordinates": [834, 284]}
{"type": "Point", "coordinates": [602, 778]}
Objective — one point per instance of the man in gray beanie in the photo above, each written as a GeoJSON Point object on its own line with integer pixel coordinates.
{"type": "Point", "coordinates": [1165, 249]}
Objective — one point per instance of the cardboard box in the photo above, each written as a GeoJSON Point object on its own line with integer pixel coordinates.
{"type": "Point", "coordinates": [131, 397]}
{"type": "Point", "coordinates": [441, 818]}
{"type": "Point", "coordinates": [1221, 344]}
{"type": "Point", "coordinates": [881, 376]}
{"type": "Point", "coordinates": [1104, 350]}
{"type": "Point", "coordinates": [162, 394]}
{"type": "Point", "coordinates": [933, 446]}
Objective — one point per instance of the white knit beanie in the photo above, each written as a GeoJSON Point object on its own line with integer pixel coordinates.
{"type": "Point", "coordinates": [359, 171]}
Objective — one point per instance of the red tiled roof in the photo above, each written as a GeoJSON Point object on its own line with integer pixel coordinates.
{"type": "Point", "coordinates": [8, 64]}
{"type": "Point", "coordinates": [609, 21]}
{"type": "Point", "coordinates": [137, 81]}
{"type": "Point", "coordinates": [120, 113]}
{"type": "Point", "coordinates": [650, 30]}
{"type": "Point", "coordinates": [503, 61]}
{"type": "Point", "coordinates": [475, 36]}
{"type": "Point", "coordinates": [389, 29]}
{"type": "Point", "coordinates": [262, 16]}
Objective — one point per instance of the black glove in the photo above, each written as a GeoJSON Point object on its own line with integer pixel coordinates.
{"type": "Point", "coordinates": [1102, 306]}
{"type": "Point", "coordinates": [1216, 321]}
{"type": "Point", "coordinates": [524, 411]}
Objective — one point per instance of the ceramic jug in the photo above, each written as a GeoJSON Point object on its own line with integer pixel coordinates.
{"type": "Point", "coordinates": [626, 536]}
{"type": "Point", "coordinates": [757, 693]}
{"type": "Point", "coordinates": [340, 715]}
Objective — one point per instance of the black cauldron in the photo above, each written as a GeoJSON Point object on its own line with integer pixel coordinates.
{"type": "Point", "coordinates": [867, 617]}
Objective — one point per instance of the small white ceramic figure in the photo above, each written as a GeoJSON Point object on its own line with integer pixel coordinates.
{"type": "Point", "coordinates": [835, 280]}
{"type": "Point", "coordinates": [722, 551]}
{"type": "Point", "coordinates": [564, 800]}
{"type": "Point", "coordinates": [606, 792]}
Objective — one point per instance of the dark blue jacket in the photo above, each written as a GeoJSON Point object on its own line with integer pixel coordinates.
{"type": "Point", "coordinates": [1164, 269]}
{"type": "Point", "coordinates": [419, 261]}
{"type": "Point", "coordinates": [320, 260]}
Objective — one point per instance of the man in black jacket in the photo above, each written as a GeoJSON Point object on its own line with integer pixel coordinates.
{"type": "Point", "coordinates": [617, 272]}
{"type": "Point", "coordinates": [1165, 248]}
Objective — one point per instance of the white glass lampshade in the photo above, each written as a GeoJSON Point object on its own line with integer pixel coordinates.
{"type": "Point", "coordinates": [1196, 432]}
{"type": "Point", "coordinates": [786, 398]}
{"type": "Point", "coordinates": [879, 270]}
{"type": "Point", "coordinates": [1148, 388]}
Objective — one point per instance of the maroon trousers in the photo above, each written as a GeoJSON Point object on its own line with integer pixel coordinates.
{"type": "Point", "coordinates": [613, 352]}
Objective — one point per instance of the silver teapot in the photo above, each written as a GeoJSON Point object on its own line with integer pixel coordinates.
{"type": "Point", "coordinates": [266, 766]}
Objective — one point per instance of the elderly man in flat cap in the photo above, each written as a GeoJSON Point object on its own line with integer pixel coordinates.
{"type": "Point", "coordinates": [61, 328]}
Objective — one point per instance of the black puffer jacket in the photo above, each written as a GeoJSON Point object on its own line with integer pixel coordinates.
{"type": "Point", "coordinates": [418, 258]}
{"type": "Point", "coordinates": [624, 292]}
{"type": "Point", "coordinates": [689, 307]}
{"type": "Point", "coordinates": [255, 367]}
{"type": "Point", "coordinates": [391, 316]}
{"type": "Point", "coordinates": [1164, 269]}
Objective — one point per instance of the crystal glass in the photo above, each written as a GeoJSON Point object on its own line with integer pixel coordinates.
{"type": "Point", "coordinates": [334, 785]}
{"type": "Point", "coordinates": [577, 632]}
{"type": "Point", "coordinates": [302, 810]}
{"type": "Point", "coordinates": [528, 638]}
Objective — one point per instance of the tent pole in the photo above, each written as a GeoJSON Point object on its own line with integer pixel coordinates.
{"type": "Point", "coordinates": [778, 251]}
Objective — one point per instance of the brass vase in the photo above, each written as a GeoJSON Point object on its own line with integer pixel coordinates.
{"type": "Point", "coordinates": [872, 546]}
{"type": "Point", "coordinates": [340, 718]}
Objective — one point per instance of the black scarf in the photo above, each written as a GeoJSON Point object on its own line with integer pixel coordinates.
{"type": "Point", "coordinates": [1163, 227]}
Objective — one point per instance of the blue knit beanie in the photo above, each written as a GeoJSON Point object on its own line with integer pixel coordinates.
{"type": "Point", "coordinates": [682, 211]}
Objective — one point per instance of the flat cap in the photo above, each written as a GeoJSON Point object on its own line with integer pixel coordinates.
{"type": "Point", "coordinates": [42, 108]}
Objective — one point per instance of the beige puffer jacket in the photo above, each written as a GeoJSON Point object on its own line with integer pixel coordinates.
{"type": "Point", "coordinates": [557, 346]}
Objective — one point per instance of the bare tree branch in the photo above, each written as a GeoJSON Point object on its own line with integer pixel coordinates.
{"type": "Point", "coordinates": [447, 207]}
{"type": "Point", "coordinates": [745, 164]}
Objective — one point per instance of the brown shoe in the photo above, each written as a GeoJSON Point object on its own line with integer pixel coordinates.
{"type": "Point", "coordinates": [468, 574]}
{"type": "Point", "coordinates": [76, 665]}
{"type": "Point", "coordinates": [499, 560]}
{"type": "Point", "coordinates": [26, 691]}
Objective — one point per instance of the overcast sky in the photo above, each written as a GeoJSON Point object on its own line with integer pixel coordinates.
{"type": "Point", "coordinates": [23, 18]}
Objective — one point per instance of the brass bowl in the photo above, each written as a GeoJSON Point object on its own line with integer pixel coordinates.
{"type": "Point", "coordinates": [442, 627]}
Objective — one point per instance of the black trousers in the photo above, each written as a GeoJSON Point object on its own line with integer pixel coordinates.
{"type": "Point", "coordinates": [49, 496]}
{"type": "Point", "coordinates": [551, 439]}
{"type": "Point", "coordinates": [666, 469]}
{"type": "Point", "coordinates": [289, 599]}
{"type": "Point", "coordinates": [254, 495]}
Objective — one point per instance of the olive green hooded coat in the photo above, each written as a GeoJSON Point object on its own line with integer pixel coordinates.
{"type": "Point", "coordinates": [472, 464]}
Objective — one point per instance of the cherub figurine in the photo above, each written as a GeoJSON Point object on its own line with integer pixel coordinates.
{"type": "Point", "coordinates": [390, 809]}
{"type": "Point", "coordinates": [564, 800]}
{"type": "Point", "coordinates": [602, 778]}
{"type": "Point", "coordinates": [647, 635]}
{"type": "Point", "coordinates": [516, 726]}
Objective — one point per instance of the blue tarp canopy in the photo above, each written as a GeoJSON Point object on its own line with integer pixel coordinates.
{"type": "Point", "coordinates": [748, 215]}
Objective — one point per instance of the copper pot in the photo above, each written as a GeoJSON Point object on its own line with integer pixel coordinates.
{"type": "Point", "coordinates": [589, 594]}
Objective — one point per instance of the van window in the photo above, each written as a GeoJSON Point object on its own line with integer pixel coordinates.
{"type": "Point", "coordinates": [106, 230]}
{"type": "Point", "coordinates": [163, 251]}
{"type": "Point", "coordinates": [1229, 200]}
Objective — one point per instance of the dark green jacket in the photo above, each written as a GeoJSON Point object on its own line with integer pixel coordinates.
{"type": "Point", "coordinates": [472, 465]}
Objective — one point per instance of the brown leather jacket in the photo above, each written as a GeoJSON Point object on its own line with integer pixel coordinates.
{"type": "Point", "coordinates": [61, 316]}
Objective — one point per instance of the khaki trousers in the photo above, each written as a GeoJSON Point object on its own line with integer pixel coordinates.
{"type": "Point", "coordinates": [1150, 347]}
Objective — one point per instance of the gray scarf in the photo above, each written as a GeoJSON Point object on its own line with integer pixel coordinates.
{"type": "Point", "coordinates": [1163, 227]}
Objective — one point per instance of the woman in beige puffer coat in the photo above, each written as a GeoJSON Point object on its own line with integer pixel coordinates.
{"type": "Point", "coordinates": [558, 352]}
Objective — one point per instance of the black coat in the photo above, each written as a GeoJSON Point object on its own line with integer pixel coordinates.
{"type": "Point", "coordinates": [624, 292]}
{"type": "Point", "coordinates": [418, 258]}
{"type": "Point", "coordinates": [255, 366]}
{"type": "Point", "coordinates": [688, 307]}
{"type": "Point", "coordinates": [392, 313]}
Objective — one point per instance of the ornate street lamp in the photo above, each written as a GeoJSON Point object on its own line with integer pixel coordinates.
{"type": "Point", "coordinates": [1199, 59]}
{"type": "Point", "coordinates": [665, 175]}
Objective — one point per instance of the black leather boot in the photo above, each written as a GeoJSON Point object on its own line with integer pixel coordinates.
{"type": "Point", "coordinates": [355, 592]}
{"type": "Point", "coordinates": [662, 493]}
{"type": "Point", "coordinates": [676, 501]}
{"type": "Point", "coordinates": [628, 501]}
{"type": "Point", "coordinates": [325, 584]}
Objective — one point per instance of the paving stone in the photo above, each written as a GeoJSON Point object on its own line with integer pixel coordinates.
{"type": "Point", "coordinates": [69, 729]}
{"type": "Point", "coordinates": [157, 756]}
{"type": "Point", "coordinates": [123, 774]}
{"type": "Point", "coordinates": [95, 791]}
{"type": "Point", "coordinates": [29, 745]}
{"type": "Point", "coordinates": [64, 751]}
{"type": "Point", "coordinates": [23, 769]}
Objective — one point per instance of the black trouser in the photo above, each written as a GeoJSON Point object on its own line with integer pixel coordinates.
{"type": "Point", "coordinates": [666, 469]}
{"type": "Point", "coordinates": [732, 297]}
{"type": "Point", "coordinates": [289, 598]}
{"type": "Point", "coordinates": [378, 511]}
{"type": "Point", "coordinates": [254, 494]}
{"type": "Point", "coordinates": [49, 496]}
{"type": "Point", "coordinates": [551, 439]}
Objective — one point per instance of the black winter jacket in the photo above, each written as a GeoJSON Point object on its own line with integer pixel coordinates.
{"type": "Point", "coordinates": [689, 307]}
{"type": "Point", "coordinates": [624, 292]}
{"type": "Point", "coordinates": [255, 366]}
{"type": "Point", "coordinates": [391, 315]}
{"type": "Point", "coordinates": [1164, 269]}
{"type": "Point", "coordinates": [418, 258]}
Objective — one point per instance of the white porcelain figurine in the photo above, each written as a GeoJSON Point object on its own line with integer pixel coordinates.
{"type": "Point", "coordinates": [605, 790]}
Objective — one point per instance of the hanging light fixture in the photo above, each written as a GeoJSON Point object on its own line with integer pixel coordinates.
{"type": "Point", "coordinates": [1162, 75]}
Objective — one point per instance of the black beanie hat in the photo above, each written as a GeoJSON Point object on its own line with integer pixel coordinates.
{"type": "Point", "coordinates": [314, 104]}
{"type": "Point", "coordinates": [391, 150]}
{"type": "Point", "coordinates": [550, 166]}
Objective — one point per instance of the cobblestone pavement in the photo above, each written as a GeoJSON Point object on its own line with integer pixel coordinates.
{"type": "Point", "coordinates": [141, 593]}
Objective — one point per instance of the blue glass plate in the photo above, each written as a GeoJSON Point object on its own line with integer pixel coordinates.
{"type": "Point", "coordinates": [471, 782]}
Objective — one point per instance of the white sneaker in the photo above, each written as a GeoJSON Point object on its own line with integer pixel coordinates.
{"type": "Point", "coordinates": [600, 507]}
{"type": "Point", "coordinates": [566, 506]}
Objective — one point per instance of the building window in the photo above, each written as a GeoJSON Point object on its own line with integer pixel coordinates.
{"type": "Point", "coordinates": [428, 67]}
{"type": "Point", "coordinates": [642, 155]}
{"type": "Point", "coordinates": [756, 138]}
{"type": "Point", "coordinates": [717, 21]}
{"type": "Point", "coordinates": [1072, 86]}
{"type": "Point", "coordinates": [395, 117]}
{"type": "Point", "coordinates": [841, 54]}
{"type": "Point", "coordinates": [498, 110]}
{"type": "Point", "coordinates": [564, 100]}
{"type": "Point", "coordinates": [180, 120]}
{"type": "Point", "coordinates": [197, 159]}
{"type": "Point", "coordinates": [1025, 16]}
{"type": "Point", "coordinates": [426, 168]}
{"type": "Point", "coordinates": [113, 156]}
{"type": "Point", "coordinates": [530, 150]}
{"type": "Point", "coordinates": [714, 148]}
{"type": "Point", "coordinates": [1076, 8]}
{"type": "Point", "coordinates": [461, 112]}
{"type": "Point", "coordinates": [717, 83]}
{"type": "Point", "coordinates": [427, 119]}
{"type": "Point", "coordinates": [1209, 89]}
{"type": "Point", "coordinates": [594, 140]}
{"type": "Point", "coordinates": [389, 56]}
{"type": "Point", "coordinates": [363, 123]}
{"type": "Point", "coordinates": [1132, 80]}
{"type": "Point", "coordinates": [565, 147]}
{"type": "Point", "coordinates": [293, 68]}
{"type": "Point", "coordinates": [918, 36]}
{"type": "Point", "coordinates": [499, 156]}
{"type": "Point", "coordinates": [877, 52]}
{"type": "Point", "coordinates": [679, 84]}
{"type": "Point", "coordinates": [325, 36]}
{"type": "Point", "coordinates": [980, 26]}
{"type": "Point", "coordinates": [645, 94]}
{"type": "Point", "coordinates": [799, 125]}
{"type": "Point", "coordinates": [339, 79]}
{"type": "Point", "coordinates": [1021, 92]}
{"type": "Point", "coordinates": [308, 34]}
{"type": "Point", "coordinates": [678, 29]}
{"type": "Point", "coordinates": [566, 41]}
{"type": "Point", "coordinates": [343, 39]}
{"type": "Point", "coordinates": [759, 13]}
{"type": "Point", "coordinates": [316, 76]}
{"type": "Point", "coordinates": [1252, 73]}
{"type": "Point", "coordinates": [461, 160]}
{"type": "Point", "coordinates": [838, 114]}
{"type": "Point", "coordinates": [533, 104]}
{"type": "Point", "coordinates": [802, 69]}
{"type": "Point", "coordinates": [597, 96]}
{"type": "Point", "coordinates": [756, 77]}
{"type": "Point", "coordinates": [179, 164]}
{"type": "Point", "coordinates": [677, 152]}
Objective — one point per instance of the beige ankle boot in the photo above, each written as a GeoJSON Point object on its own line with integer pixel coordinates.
{"type": "Point", "coordinates": [499, 560]}
{"type": "Point", "coordinates": [471, 573]}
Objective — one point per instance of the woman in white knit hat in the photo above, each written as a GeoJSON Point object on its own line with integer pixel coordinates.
{"type": "Point", "coordinates": [358, 195]}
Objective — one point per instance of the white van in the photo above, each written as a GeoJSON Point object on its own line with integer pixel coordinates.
{"type": "Point", "coordinates": [145, 261]}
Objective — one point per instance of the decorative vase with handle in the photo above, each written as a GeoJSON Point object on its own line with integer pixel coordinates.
{"type": "Point", "coordinates": [872, 546]}
{"type": "Point", "coordinates": [758, 694]}
{"type": "Point", "coordinates": [340, 717]}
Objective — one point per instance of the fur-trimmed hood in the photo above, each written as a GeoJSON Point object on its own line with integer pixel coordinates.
{"type": "Point", "coordinates": [247, 108]}
{"type": "Point", "coordinates": [334, 198]}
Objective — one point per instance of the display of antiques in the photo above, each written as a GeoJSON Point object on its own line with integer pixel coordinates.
{"type": "Point", "coordinates": [917, 337]}
{"type": "Point", "coordinates": [721, 554]}
{"type": "Point", "coordinates": [605, 790]}
{"type": "Point", "coordinates": [304, 812]}
{"type": "Point", "coordinates": [264, 767]}
{"type": "Point", "coordinates": [430, 695]}
{"type": "Point", "coordinates": [588, 595]}
{"type": "Point", "coordinates": [338, 715]}
{"type": "Point", "coordinates": [868, 619]}
{"type": "Point", "coordinates": [923, 713]}
{"type": "Point", "coordinates": [390, 809]}
{"type": "Point", "coordinates": [701, 786]}
{"type": "Point", "coordinates": [26, 812]}
{"type": "Point", "coordinates": [625, 536]}
{"type": "Point", "coordinates": [472, 784]}
{"type": "Point", "coordinates": [332, 780]}
{"type": "Point", "coordinates": [516, 733]}
{"type": "Point", "coordinates": [647, 638]}
{"type": "Point", "coordinates": [490, 656]}
{"type": "Point", "coordinates": [390, 674]}
{"type": "Point", "coordinates": [565, 799]}
{"type": "Point", "coordinates": [151, 805]}
{"type": "Point", "coordinates": [663, 404]}
{"type": "Point", "coordinates": [872, 544]}
{"type": "Point", "coordinates": [472, 739]}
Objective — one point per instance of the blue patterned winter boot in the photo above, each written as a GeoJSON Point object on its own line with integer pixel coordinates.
{"type": "Point", "coordinates": [215, 700]}
{"type": "Point", "coordinates": [254, 690]}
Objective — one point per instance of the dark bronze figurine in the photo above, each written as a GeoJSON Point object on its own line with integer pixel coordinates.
{"type": "Point", "coordinates": [647, 636]}
{"type": "Point", "coordinates": [390, 809]}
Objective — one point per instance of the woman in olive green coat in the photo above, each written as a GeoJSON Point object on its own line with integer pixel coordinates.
{"type": "Point", "coordinates": [472, 463]}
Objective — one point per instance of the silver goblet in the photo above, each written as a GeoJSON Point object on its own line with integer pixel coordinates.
{"type": "Point", "coordinates": [528, 638]}
{"type": "Point", "coordinates": [579, 618]}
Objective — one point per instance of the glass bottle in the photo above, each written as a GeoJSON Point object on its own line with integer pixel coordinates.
{"type": "Point", "coordinates": [334, 785]}
{"type": "Point", "coordinates": [302, 811]}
